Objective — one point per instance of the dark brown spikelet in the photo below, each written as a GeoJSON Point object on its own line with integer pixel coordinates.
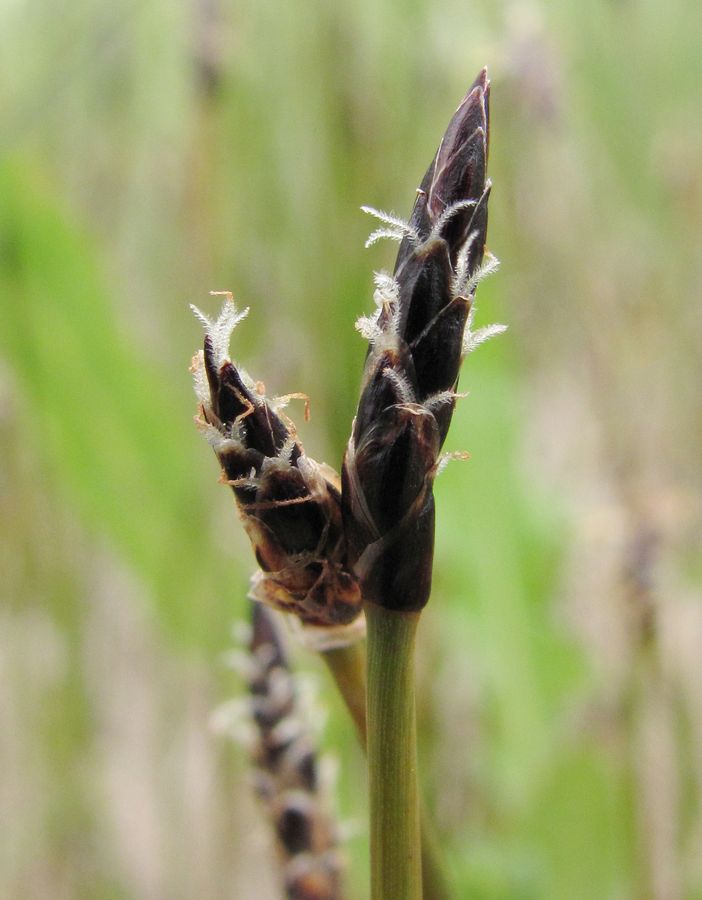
{"type": "Point", "coordinates": [418, 338]}
{"type": "Point", "coordinates": [287, 771]}
{"type": "Point", "coordinates": [289, 504]}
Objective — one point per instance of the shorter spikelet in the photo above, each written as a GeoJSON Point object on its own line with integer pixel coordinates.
{"type": "Point", "coordinates": [289, 504]}
{"type": "Point", "coordinates": [287, 770]}
{"type": "Point", "coordinates": [418, 336]}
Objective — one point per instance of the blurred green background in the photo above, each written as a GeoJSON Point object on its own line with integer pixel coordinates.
{"type": "Point", "coordinates": [153, 151]}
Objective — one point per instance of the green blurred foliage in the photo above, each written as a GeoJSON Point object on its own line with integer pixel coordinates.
{"type": "Point", "coordinates": [151, 152]}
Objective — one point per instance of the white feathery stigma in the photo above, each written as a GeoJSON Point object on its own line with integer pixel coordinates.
{"type": "Point", "coordinates": [387, 289]}
{"type": "Point", "coordinates": [401, 385]}
{"type": "Point", "coordinates": [441, 398]}
{"type": "Point", "coordinates": [448, 214]}
{"type": "Point", "coordinates": [200, 384]}
{"type": "Point", "coordinates": [385, 297]}
{"type": "Point", "coordinates": [473, 339]}
{"type": "Point", "coordinates": [446, 458]}
{"type": "Point", "coordinates": [488, 267]}
{"type": "Point", "coordinates": [396, 228]}
{"type": "Point", "coordinates": [368, 328]}
{"type": "Point", "coordinates": [286, 451]}
{"type": "Point", "coordinates": [220, 329]}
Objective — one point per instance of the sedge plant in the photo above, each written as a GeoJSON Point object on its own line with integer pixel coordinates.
{"type": "Point", "coordinates": [344, 555]}
{"type": "Point", "coordinates": [418, 336]}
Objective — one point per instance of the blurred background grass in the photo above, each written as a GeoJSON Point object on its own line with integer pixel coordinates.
{"type": "Point", "coordinates": [153, 151]}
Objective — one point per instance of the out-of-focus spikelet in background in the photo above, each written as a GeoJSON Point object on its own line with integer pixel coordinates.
{"type": "Point", "coordinates": [150, 152]}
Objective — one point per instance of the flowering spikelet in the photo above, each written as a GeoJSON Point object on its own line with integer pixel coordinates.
{"type": "Point", "coordinates": [287, 770]}
{"type": "Point", "coordinates": [289, 504]}
{"type": "Point", "coordinates": [418, 336]}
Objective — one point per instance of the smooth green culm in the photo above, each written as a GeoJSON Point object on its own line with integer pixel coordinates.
{"type": "Point", "coordinates": [396, 868]}
{"type": "Point", "coordinates": [348, 668]}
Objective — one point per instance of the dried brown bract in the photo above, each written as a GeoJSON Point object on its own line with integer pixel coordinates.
{"type": "Point", "coordinates": [418, 336]}
{"type": "Point", "coordinates": [289, 504]}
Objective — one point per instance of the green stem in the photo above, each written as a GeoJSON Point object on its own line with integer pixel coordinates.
{"type": "Point", "coordinates": [347, 666]}
{"type": "Point", "coordinates": [396, 868]}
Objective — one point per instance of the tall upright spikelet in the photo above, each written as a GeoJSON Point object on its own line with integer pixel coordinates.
{"type": "Point", "coordinates": [418, 336]}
